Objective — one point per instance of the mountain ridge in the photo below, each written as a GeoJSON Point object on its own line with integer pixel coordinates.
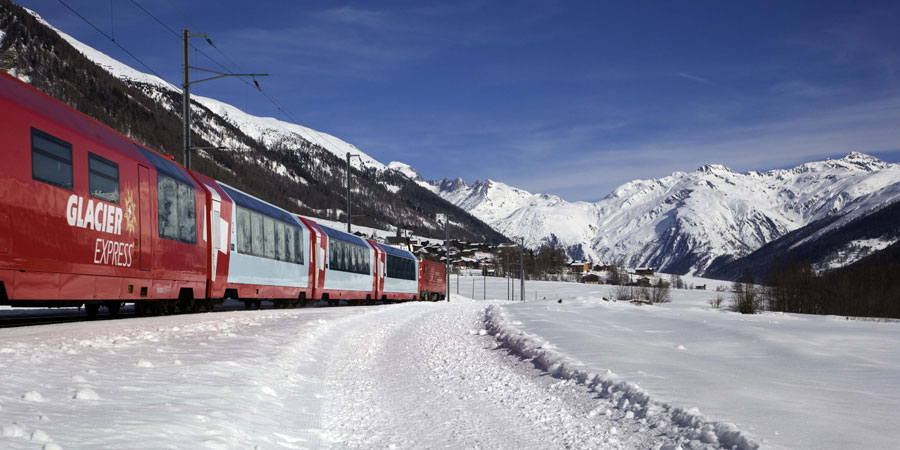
{"type": "Point", "coordinates": [686, 222]}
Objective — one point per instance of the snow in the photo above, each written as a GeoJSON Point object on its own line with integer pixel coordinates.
{"type": "Point", "coordinates": [786, 380]}
{"type": "Point", "coordinates": [853, 251]}
{"type": "Point", "coordinates": [583, 373]}
{"type": "Point", "coordinates": [271, 131]}
{"type": "Point", "coordinates": [114, 67]}
{"type": "Point", "coordinates": [696, 216]}
{"type": "Point", "coordinates": [406, 170]}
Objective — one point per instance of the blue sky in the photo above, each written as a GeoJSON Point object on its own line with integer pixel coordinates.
{"type": "Point", "coordinates": [569, 98]}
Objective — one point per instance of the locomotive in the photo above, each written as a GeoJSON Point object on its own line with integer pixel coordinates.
{"type": "Point", "coordinates": [90, 217]}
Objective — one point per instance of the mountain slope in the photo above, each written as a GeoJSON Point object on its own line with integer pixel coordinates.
{"type": "Point", "coordinates": [830, 243]}
{"type": "Point", "coordinates": [686, 222]}
{"type": "Point", "coordinates": [289, 165]}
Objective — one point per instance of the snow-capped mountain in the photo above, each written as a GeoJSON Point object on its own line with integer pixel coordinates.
{"type": "Point", "coordinates": [267, 130]}
{"type": "Point", "coordinates": [684, 222]}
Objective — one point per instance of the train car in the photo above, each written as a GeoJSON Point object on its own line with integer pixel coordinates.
{"type": "Point", "coordinates": [432, 280]}
{"type": "Point", "coordinates": [217, 225]}
{"type": "Point", "coordinates": [400, 277]}
{"type": "Point", "coordinates": [269, 256]}
{"type": "Point", "coordinates": [347, 265]}
{"type": "Point", "coordinates": [88, 216]}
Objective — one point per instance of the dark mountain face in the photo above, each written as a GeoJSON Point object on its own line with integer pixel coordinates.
{"type": "Point", "coordinates": [815, 243]}
{"type": "Point", "coordinates": [314, 182]}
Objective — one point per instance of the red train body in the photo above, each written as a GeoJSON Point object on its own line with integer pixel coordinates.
{"type": "Point", "coordinates": [432, 280]}
{"type": "Point", "coordinates": [88, 216]}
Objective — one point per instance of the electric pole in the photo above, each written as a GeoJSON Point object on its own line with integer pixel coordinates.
{"type": "Point", "coordinates": [186, 35]}
{"type": "Point", "coordinates": [348, 188]}
{"type": "Point", "coordinates": [522, 268]}
{"type": "Point", "coordinates": [445, 218]}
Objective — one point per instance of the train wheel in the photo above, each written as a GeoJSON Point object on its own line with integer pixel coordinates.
{"type": "Point", "coordinates": [91, 309]}
{"type": "Point", "coordinates": [157, 308]}
{"type": "Point", "coordinates": [140, 309]}
{"type": "Point", "coordinates": [113, 308]}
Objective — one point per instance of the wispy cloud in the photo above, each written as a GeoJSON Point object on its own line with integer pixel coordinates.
{"type": "Point", "coordinates": [695, 78]}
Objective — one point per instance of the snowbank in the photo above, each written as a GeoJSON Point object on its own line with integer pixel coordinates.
{"type": "Point", "coordinates": [664, 418]}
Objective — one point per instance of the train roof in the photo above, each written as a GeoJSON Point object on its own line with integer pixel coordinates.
{"type": "Point", "coordinates": [252, 203]}
{"type": "Point", "coordinates": [398, 252]}
{"type": "Point", "coordinates": [166, 166]}
{"type": "Point", "coordinates": [341, 236]}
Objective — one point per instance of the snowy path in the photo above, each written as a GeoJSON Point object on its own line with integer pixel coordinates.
{"type": "Point", "coordinates": [425, 376]}
{"type": "Point", "coordinates": [405, 376]}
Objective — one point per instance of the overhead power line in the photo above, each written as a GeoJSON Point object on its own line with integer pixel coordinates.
{"type": "Point", "coordinates": [116, 43]}
{"type": "Point", "coordinates": [228, 70]}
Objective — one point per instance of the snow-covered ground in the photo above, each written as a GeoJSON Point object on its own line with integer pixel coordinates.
{"type": "Point", "coordinates": [786, 380]}
{"type": "Point", "coordinates": [464, 374]}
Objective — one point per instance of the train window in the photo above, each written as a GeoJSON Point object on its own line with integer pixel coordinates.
{"type": "Point", "coordinates": [51, 159]}
{"type": "Point", "coordinates": [167, 190]}
{"type": "Point", "coordinates": [290, 243]}
{"type": "Point", "coordinates": [187, 210]}
{"type": "Point", "coordinates": [244, 244]}
{"type": "Point", "coordinates": [279, 241]}
{"type": "Point", "coordinates": [103, 178]}
{"type": "Point", "coordinates": [299, 243]}
{"type": "Point", "coordinates": [402, 268]}
{"type": "Point", "coordinates": [177, 210]}
{"type": "Point", "coordinates": [269, 230]}
{"type": "Point", "coordinates": [256, 224]}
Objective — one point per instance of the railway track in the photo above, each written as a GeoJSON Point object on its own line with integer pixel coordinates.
{"type": "Point", "coordinates": [23, 320]}
{"type": "Point", "coordinates": [14, 318]}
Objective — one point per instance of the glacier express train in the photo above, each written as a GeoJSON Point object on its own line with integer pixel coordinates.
{"type": "Point", "coordinates": [90, 217]}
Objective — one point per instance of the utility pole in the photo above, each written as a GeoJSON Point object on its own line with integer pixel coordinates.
{"type": "Point", "coordinates": [186, 99]}
{"type": "Point", "coordinates": [348, 188]}
{"type": "Point", "coordinates": [446, 219]}
{"type": "Point", "coordinates": [186, 36]}
{"type": "Point", "coordinates": [522, 268]}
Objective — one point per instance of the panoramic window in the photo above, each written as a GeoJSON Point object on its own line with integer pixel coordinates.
{"type": "Point", "coordinates": [256, 225]}
{"type": "Point", "coordinates": [177, 210]}
{"type": "Point", "coordinates": [402, 268]}
{"type": "Point", "coordinates": [279, 242]}
{"type": "Point", "coordinates": [269, 231]}
{"type": "Point", "coordinates": [345, 257]}
{"type": "Point", "coordinates": [244, 244]}
{"type": "Point", "coordinates": [51, 159]}
{"type": "Point", "coordinates": [262, 236]}
{"type": "Point", "coordinates": [103, 178]}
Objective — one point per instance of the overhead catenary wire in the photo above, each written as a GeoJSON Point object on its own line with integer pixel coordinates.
{"type": "Point", "coordinates": [108, 37]}
{"type": "Point", "coordinates": [255, 84]}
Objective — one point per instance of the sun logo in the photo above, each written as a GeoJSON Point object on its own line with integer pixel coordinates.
{"type": "Point", "coordinates": [130, 212]}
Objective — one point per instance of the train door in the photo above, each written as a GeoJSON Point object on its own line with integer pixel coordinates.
{"type": "Point", "coordinates": [217, 234]}
{"type": "Point", "coordinates": [145, 214]}
{"type": "Point", "coordinates": [320, 261]}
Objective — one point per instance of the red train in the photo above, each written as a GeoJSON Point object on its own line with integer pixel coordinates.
{"type": "Point", "coordinates": [90, 217]}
